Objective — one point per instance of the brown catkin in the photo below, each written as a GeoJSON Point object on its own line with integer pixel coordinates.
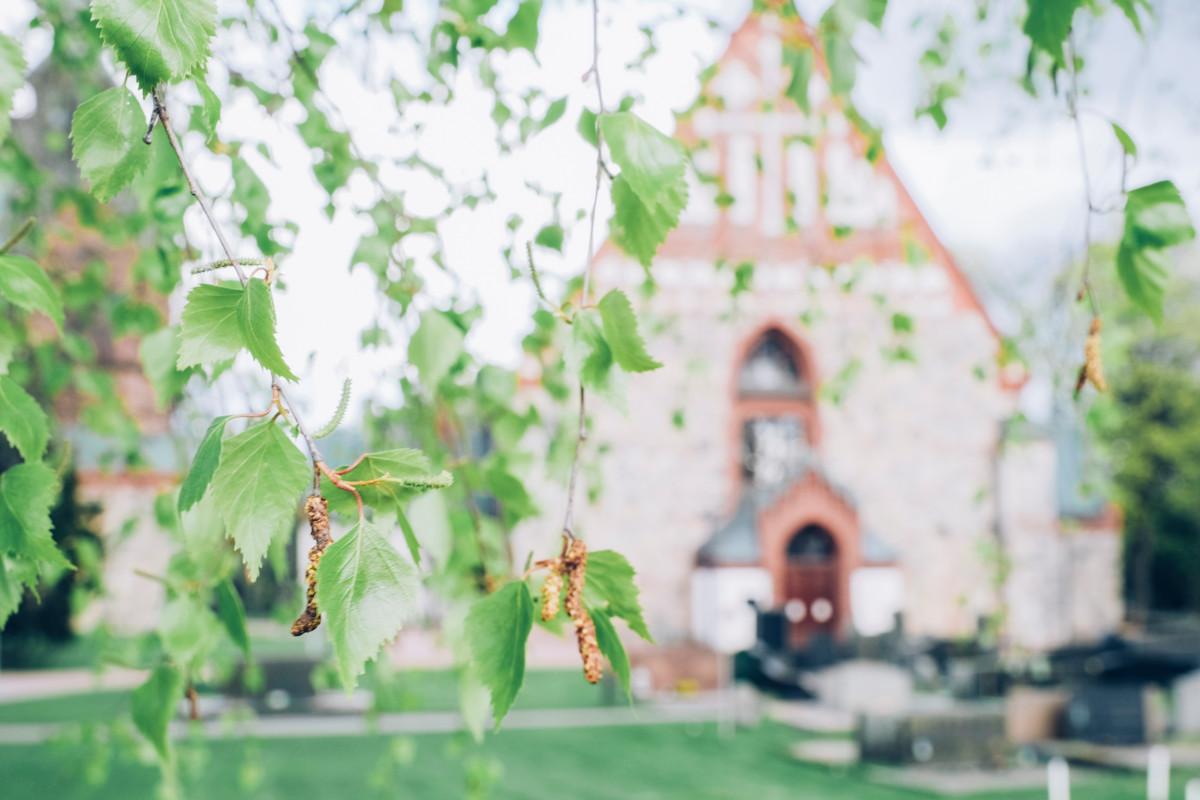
{"type": "Point", "coordinates": [317, 510]}
{"type": "Point", "coordinates": [551, 592]}
{"type": "Point", "coordinates": [1093, 366]}
{"type": "Point", "coordinates": [574, 561]}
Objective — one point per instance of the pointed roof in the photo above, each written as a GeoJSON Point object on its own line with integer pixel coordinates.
{"type": "Point", "coordinates": [807, 184]}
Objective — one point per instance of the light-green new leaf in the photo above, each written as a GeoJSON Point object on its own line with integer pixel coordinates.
{"type": "Point", "coordinates": [651, 191]}
{"type": "Point", "coordinates": [27, 492]}
{"type": "Point", "coordinates": [435, 346]}
{"type": "Point", "coordinates": [610, 645]}
{"type": "Point", "coordinates": [24, 284]}
{"type": "Point", "coordinates": [1155, 219]}
{"type": "Point", "coordinates": [204, 464]}
{"type": "Point", "coordinates": [159, 353]}
{"type": "Point", "coordinates": [497, 629]}
{"type": "Point", "coordinates": [15, 575]}
{"type": "Point", "coordinates": [160, 41]}
{"type": "Point", "coordinates": [209, 330]}
{"type": "Point", "coordinates": [12, 78]}
{"type": "Point", "coordinates": [22, 420]}
{"type": "Point", "coordinates": [232, 614]}
{"type": "Point", "coordinates": [621, 332]}
{"type": "Point", "coordinates": [106, 141]}
{"type": "Point", "coordinates": [154, 705]}
{"type": "Point", "coordinates": [396, 476]}
{"type": "Point", "coordinates": [639, 229]}
{"type": "Point", "coordinates": [260, 477]}
{"type": "Point", "coordinates": [367, 592]}
{"type": "Point", "coordinates": [610, 580]}
{"type": "Point", "coordinates": [256, 319]}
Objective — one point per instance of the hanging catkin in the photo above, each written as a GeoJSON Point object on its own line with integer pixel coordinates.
{"type": "Point", "coordinates": [1093, 366]}
{"type": "Point", "coordinates": [574, 561]}
{"type": "Point", "coordinates": [317, 510]}
{"type": "Point", "coordinates": [551, 591]}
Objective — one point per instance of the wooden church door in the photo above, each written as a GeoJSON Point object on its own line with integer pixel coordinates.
{"type": "Point", "coordinates": [811, 585]}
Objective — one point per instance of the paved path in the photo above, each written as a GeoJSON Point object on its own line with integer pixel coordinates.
{"type": "Point", "coordinates": [281, 726]}
{"type": "Point", "coordinates": [36, 684]}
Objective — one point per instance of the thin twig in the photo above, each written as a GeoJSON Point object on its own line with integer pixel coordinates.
{"type": "Point", "coordinates": [160, 111]}
{"type": "Point", "coordinates": [581, 433]}
{"type": "Point", "coordinates": [280, 399]}
{"type": "Point", "coordinates": [1089, 206]}
{"type": "Point", "coordinates": [18, 235]}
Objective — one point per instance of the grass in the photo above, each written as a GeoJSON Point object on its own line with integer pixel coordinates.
{"type": "Point", "coordinates": [85, 707]}
{"type": "Point", "coordinates": [637, 763]}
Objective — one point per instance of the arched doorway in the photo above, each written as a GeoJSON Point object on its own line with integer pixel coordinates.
{"type": "Point", "coordinates": [812, 592]}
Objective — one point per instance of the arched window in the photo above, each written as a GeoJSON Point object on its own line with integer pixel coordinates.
{"type": "Point", "coordinates": [773, 369]}
{"type": "Point", "coordinates": [774, 410]}
{"type": "Point", "coordinates": [811, 545]}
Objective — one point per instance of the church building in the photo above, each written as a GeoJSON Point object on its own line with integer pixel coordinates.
{"type": "Point", "coordinates": [831, 435]}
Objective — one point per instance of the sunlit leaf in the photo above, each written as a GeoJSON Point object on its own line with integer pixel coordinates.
{"type": "Point", "coordinates": [367, 592]}
{"type": "Point", "coordinates": [257, 486]}
{"type": "Point", "coordinates": [160, 41]}
{"type": "Point", "coordinates": [106, 141]}
{"type": "Point", "coordinates": [497, 628]}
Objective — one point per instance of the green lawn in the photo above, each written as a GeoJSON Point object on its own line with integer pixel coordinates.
{"type": "Point", "coordinates": [678, 761]}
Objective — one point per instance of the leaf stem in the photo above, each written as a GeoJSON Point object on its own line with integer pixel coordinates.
{"type": "Point", "coordinates": [18, 235]}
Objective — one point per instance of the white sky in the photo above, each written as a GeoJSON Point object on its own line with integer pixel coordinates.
{"type": "Point", "coordinates": [1001, 185]}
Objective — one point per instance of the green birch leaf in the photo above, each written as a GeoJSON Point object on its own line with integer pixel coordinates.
{"type": "Point", "coordinates": [366, 592]}
{"type": "Point", "coordinates": [550, 237]}
{"type": "Point", "coordinates": [9, 342]}
{"type": "Point", "coordinates": [209, 330]}
{"type": "Point", "coordinates": [256, 319]}
{"type": "Point", "coordinates": [1048, 24]}
{"type": "Point", "coordinates": [410, 537]}
{"type": "Point", "coordinates": [106, 141]}
{"type": "Point", "coordinates": [639, 229]}
{"type": "Point", "coordinates": [522, 29]}
{"type": "Point", "coordinates": [1130, 8]}
{"type": "Point", "coordinates": [22, 420]}
{"type": "Point", "coordinates": [1143, 272]}
{"type": "Point", "coordinates": [27, 493]}
{"type": "Point", "coordinates": [396, 476]}
{"type": "Point", "coordinates": [159, 353]}
{"type": "Point", "coordinates": [209, 112]}
{"type": "Point", "coordinates": [610, 580]}
{"type": "Point", "coordinates": [1156, 216]}
{"type": "Point", "coordinates": [232, 614]}
{"type": "Point", "coordinates": [12, 78]}
{"type": "Point", "coordinates": [798, 60]}
{"type": "Point", "coordinates": [258, 481]}
{"type": "Point", "coordinates": [611, 647]}
{"type": "Point", "coordinates": [621, 332]}
{"type": "Point", "coordinates": [651, 162]}
{"type": "Point", "coordinates": [15, 576]}
{"type": "Point", "coordinates": [435, 347]}
{"type": "Point", "coordinates": [155, 703]}
{"type": "Point", "coordinates": [1125, 140]}
{"type": "Point", "coordinates": [160, 41]}
{"type": "Point", "coordinates": [24, 284]}
{"type": "Point", "coordinates": [497, 629]}
{"type": "Point", "coordinates": [204, 464]}
{"type": "Point", "coordinates": [189, 631]}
